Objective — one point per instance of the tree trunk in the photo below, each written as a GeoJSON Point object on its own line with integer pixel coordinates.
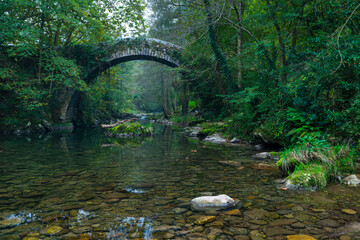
{"type": "Point", "coordinates": [184, 95]}
{"type": "Point", "coordinates": [216, 49]}
{"type": "Point", "coordinates": [165, 95]}
{"type": "Point", "coordinates": [239, 10]}
{"type": "Point", "coordinates": [282, 46]}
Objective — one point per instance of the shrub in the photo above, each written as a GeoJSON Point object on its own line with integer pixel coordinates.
{"type": "Point", "coordinates": [307, 149]}
{"type": "Point", "coordinates": [310, 175]}
{"type": "Point", "coordinates": [314, 161]}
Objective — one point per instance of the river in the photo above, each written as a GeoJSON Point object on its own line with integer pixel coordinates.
{"type": "Point", "coordinates": [84, 185]}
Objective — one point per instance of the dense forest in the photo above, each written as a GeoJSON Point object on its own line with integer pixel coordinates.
{"type": "Point", "coordinates": [285, 72]}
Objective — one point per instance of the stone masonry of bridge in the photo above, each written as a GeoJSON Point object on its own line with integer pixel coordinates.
{"type": "Point", "coordinates": [129, 49]}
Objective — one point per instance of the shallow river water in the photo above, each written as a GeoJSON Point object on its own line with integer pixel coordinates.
{"type": "Point", "coordinates": [87, 186]}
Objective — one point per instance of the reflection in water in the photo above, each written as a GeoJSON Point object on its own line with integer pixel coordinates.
{"type": "Point", "coordinates": [71, 187]}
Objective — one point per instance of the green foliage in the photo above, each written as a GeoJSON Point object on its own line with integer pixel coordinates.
{"type": "Point", "coordinates": [214, 127]}
{"type": "Point", "coordinates": [310, 175]}
{"type": "Point", "coordinates": [107, 97]}
{"type": "Point", "coordinates": [295, 80]}
{"type": "Point", "coordinates": [35, 37]}
{"type": "Point", "coordinates": [327, 161]}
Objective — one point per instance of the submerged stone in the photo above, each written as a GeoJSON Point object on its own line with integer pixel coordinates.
{"type": "Point", "coordinates": [53, 230]}
{"type": "Point", "coordinates": [256, 214]}
{"type": "Point", "coordinates": [329, 223]}
{"type": "Point", "coordinates": [235, 212]}
{"type": "Point", "coordinates": [208, 203]}
{"type": "Point", "coordinates": [271, 231]}
{"type": "Point", "coordinates": [11, 221]}
{"type": "Point", "coordinates": [300, 237]}
{"type": "Point", "coordinates": [204, 219]}
{"type": "Point", "coordinates": [348, 211]}
{"type": "Point", "coordinates": [180, 210]}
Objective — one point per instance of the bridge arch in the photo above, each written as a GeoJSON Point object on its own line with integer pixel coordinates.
{"type": "Point", "coordinates": [131, 49]}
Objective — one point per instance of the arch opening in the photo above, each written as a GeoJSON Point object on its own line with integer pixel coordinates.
{"type": "Point", "coordinates": [104, 66]}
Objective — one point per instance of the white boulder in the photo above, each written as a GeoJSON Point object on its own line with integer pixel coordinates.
{"type": "Point", "coordinates": [208, 203]}
{"type": "Point", "coordinates": [352, 180]}
{"type": "Point", "coordinates": [215, 138]}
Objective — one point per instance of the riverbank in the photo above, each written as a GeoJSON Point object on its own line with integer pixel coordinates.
{"type": "Point", "coordinates": [308, 161]}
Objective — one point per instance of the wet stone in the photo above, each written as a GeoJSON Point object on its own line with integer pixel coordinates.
{"type": "Point", "coordinates": [284, 212]}
{"type": "Point", "coordinates": [79, 230]}
{"type": "Point", "coordinates": [348, 211]}
{"type": "Point", "coordinates": [53, 230]}
{"type": "Point", "coordinates": [217, 224]}
{"type": "Point", "coordinates": [254, 227]}
{"type": "Point", "coordinates": [241, 238]}
{"type": "Point", "coordinates": [276, 231]}
{"type": "Point", "coordinates": [300, 237]}
{"type": "Point", "coordinates": [329, 223]}
{"type": "Point", "coordinates": [238, 231]}
{"type": "Point", "coordinates": [115, 195]}
{"type": "Point", "coordinates": [318, 210]}
{"type": "Point", "coordinates": [256, 235]}
{"type": "Point", "coordinates": [180, 210]}
{"type": "Point", "coordinates": [235, 212]}
{"type": "Point", "coordinates": [282, 222]}
{"type": "Point", "coordinates": [272, 215]}
{"type": "Point", "coordinates": [11, 221]}
{"type": "Point", "coordinates": [258, 222]}
{"type": "Point", "coordinates": [71, 207]}
{"type": "Point", "coordinates": [302, 217]}
{"type": "Point", "coordinates": [207, 203]}
{"type": "Point", "coordinates": [255, 214]}
{"type": "Point", "coordinates": [30, 238]}
{"type": "Point", "coordinates": [298, 225]}
{"type": "Point", "coordinates": [204, 219]}
{"type": "Point", "coordinates": [345, 237]}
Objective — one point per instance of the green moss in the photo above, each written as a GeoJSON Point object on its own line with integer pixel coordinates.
{"type": "Point", "coordinates": [287, 164]}
{"type": "Point", "coordinates": [345, 159]}
{"type": "Point", "coordinates": [130, 130]}
{"type": "Point", "coordinates": [206, 132]}
{"type": "Point", "coordinates": [310, 175]}
{"type": "Point", "coordinates": [215, 127]}
{"type": "Point", "coordinates": [275, 154]}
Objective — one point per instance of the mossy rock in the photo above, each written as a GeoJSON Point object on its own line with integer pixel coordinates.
{"type": "Point", "coordinates": [310, 175]}
{"type": "Point", "coordinates": [130, 129]}
{"type": "Point", "coordinates": [214, 127]}
{"type": "Point", "coordinates": [288, 164]}
{"type": "Point", "coordinates": [265, 135]}
{"type": "Point", "coordinates": [274, 154]}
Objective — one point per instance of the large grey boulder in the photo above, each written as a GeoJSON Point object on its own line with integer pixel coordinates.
{"type": "Point", "coordinates": [215, 138]}
{"type": "Point", "coordinates": [208, 203]}
{"type": "Point", "coordinates": [352, 180]}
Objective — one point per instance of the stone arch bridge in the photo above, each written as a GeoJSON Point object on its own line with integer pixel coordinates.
{"type": "Point", "coordinates": [97, 58]}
